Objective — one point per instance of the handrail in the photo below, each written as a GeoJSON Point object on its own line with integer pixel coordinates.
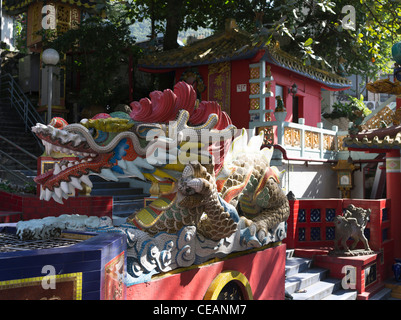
{"type": "Point", "coordinates": [22, 178]}
{"type": "Point", "coordinates": [11, 91]}
{"type": "Point", "coordinates": [379, 108]}
{"type": "Point", "coordinates": [19, 148]}
{"type": "Point", "coordinates": [15, 160]}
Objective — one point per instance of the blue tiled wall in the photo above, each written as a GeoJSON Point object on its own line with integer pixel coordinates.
{"type": "Point", "coordinates": [88, 257]}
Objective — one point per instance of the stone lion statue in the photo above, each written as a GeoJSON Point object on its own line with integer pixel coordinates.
{"type": "Point", "coordinates": [351, 225]}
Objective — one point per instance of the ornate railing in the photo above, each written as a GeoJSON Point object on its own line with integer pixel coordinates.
{"type": "Point", "coordinates": [300, 140]}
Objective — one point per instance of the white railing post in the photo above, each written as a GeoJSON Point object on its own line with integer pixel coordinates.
{"type": "Point", "coordinates": [301, 121]}
{"type": "Point", "coordinates": [321, 142]}
{"type": "Point", "coordinates": [335, 129]}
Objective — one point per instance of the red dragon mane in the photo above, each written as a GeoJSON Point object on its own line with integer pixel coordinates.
{"type": "Point", "coordinates": [164, 107]}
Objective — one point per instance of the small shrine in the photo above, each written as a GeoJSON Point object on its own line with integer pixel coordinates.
{"type": "Point", "coordinates": [345, 179]}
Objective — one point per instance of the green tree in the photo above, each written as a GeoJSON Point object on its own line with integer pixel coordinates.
{"type": "Point", "coordinates": [316, 31]}
{"type": "Point", "coordinates": [99, 50]}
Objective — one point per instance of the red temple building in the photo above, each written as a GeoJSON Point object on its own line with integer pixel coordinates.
{"type": "Point", "coordinates": [244, 77]}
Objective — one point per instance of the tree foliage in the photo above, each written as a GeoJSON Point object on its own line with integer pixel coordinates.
{"type": "Point", "coordinates": [314, 30]}
{"type": "Point", "coordinates": [99, 50]}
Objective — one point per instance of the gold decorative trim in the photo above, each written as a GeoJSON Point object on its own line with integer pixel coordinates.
{"type": "Point", "coordinates": [224, 278]}
{"type": "Point", "coordinates": [37, 281]}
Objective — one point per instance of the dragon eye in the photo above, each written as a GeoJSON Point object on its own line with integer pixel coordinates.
{"type": "Point", "coordinates": [94, 133]}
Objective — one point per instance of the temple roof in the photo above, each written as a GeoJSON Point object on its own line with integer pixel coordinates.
{"type": "Point", "coordinates": [377, 139]}
{"type": "Point", "coordinates": [231, 44]}
{"type": "Point", "coordinates": [330, 81]}
{"type": "Point", "coordinates": [18, 6]}
{"type": "Point", "coordinates": [235, 44]}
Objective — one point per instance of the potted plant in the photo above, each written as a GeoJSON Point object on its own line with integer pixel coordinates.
{"type": "Point", "coordinates": [354, 110]}
{"type": "Point", "coordinates": [280, 112]}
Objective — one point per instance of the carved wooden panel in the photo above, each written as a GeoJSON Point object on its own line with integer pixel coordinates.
{"type": "Point", "coordinates": [255, 73]}
{"type": "Point", "coordinates": [328, 142]}
{"type": "Point", "coordinates": [255, 88]}
{"type": "Point", "coordinates": [292, 137]}
{"type": "Point", "coordinates": [340, 143]}
{"type": "Point", "coordinates": [268, 132]}
{"type": "Point", "coordinates": [255, 104]}
{"type": "Point", "coordinates": [384, 116]}
{"type": "Point", "coordinates": [312, 140]}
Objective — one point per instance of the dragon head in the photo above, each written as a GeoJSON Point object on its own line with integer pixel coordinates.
{"type": "Point", "coordinates": [100, 146]}
{"type": "Point", "coordinates": [131, 145]}
{"type": "Point", "coordinates": [195, 184]}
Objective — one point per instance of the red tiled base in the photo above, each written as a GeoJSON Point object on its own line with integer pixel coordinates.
{"type": "Point", "coordinates": [10, 216]}
{"type": "Point", "coordinates": [34, 208]}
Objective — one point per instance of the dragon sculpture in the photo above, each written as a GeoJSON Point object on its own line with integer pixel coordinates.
{"type": "Point", "coordinates": [212, 183]}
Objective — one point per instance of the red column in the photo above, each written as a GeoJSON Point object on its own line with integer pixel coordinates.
{"type": "Point", "coordinates": [393, 184]}
{"type": "Point", "coordinates": [398, 101]}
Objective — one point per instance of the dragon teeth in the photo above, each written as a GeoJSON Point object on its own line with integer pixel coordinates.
{"type": "Point", "coordinates": [48, 194]}
{"type": "Point", "coordinates": [85, 179]}
{"type": "Point", "coordinates": [63, 135]}
{"type": "Point", "coordinates": [108, 175]}
{"type": "Point", "coordinates": [57, 198]}
{"type": "Point", "coordinates": [57, 169]}
{"type": "Point", "coordinates": [64, 187]}
{"type": "Point", "coordinates": [75, 182]}
{"type": "Point", "coordinates": [42, 194]}
{"type": "Point", "coordinates": [58, 192]}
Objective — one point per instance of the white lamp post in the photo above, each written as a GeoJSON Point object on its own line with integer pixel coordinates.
{"type": "Point", "coordinates": [50, 57]}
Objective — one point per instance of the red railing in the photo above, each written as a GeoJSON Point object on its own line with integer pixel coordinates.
{"type": "Point", "coordinates": [311, 224]}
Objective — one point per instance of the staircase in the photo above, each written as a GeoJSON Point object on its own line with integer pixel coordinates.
{"type": "Point", "coordinates": [17, 116]}
{"type": "Point", "coordinates": [126, 199]}
{"type": "Point", "coordinates": [12, 128]}
{"type": "Point", "coordinates": [305, 282]}
{"type": "Point", "coordinates": [19, 148]}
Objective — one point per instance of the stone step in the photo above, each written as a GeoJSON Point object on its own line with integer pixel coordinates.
{"type": "Point", "coordinates": [124, 208]}
{"type": "Point", "coordinates": [383, 294]}
{"type": "Point", "coordinates": [318, 290]}
{"type": "Point", "coordinates": [109, 184]}
{"type": "Point", "coordinates": [295, 265]}
{"type": "Point", "coordinates": [305, 279]}
{"type": "Point", "coordinates": [342, 295]}
{"type": "Point", "coordinates": [304, 282]}
{"type": "Point", "coordinates": [116, 192]}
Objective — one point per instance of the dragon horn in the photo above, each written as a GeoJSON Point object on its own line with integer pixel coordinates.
{"type": "Point", "coordinates": [196, 184]}
{"type": "Point", "coordinates": [188, 171]}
